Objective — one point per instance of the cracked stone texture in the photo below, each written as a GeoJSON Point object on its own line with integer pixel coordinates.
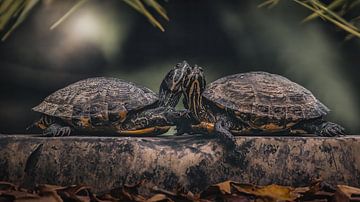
{"type": "Point", "coordinates": [194, 162]}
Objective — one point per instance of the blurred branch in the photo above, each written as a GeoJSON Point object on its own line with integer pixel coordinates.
{"type": "Point", "coordinates": [269, 3]}
{"type": "Point", "coordinates": [332, 17]}
{"type": "Point", "coordinates": [14, 12]}
{"type": "Point", "coordinates": [332, 12]}
{"type": "Point", "coordinates": [140, 7]}
{"type": "Point", "coordinates": [333, 5]}
{"type": "Point", "coordinates": [67, 14]}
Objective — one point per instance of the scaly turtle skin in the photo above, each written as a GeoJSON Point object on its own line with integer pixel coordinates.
{"type": "Point", "coordinates": [254, 103]}
{"type": "Point", "coordinates": [113, 105]}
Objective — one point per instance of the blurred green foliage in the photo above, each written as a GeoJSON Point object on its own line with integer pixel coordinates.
{"type": "Point", "coordinates": [14, 12]}
{"type": "Point", "coordinates": [332, 11]}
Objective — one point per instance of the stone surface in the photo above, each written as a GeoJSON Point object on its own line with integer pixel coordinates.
{"type": "Point", "coordinates": [194, 162]}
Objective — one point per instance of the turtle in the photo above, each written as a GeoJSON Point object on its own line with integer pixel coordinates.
{"type": "Point", "coordinates": [253, 103]}
{"type": "Point", "coordinates": [113, 105]}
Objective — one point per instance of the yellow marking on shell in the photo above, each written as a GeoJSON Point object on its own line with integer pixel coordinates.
{"type": "Point", "coordinates": [271, 127]}
{"type": "Point", "coordinates": [209, 127]}
{"type": "Point", "coordinates": [85, 122]}
{"type": "Point", "coordinates": [40, 125]}
{"type": "Point", "coordinates": [146, 131]}
{"type": "Point", "coordinates": [122, 116]}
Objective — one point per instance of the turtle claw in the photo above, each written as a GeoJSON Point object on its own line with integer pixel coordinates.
{"type": "Point", "coordinates": [56, 130]}
{"type": "Point", "coordinates": [64, 131]}
{"type": "Point", "coordinates": [329, 129]}
{"type": "Point", "coordinates": [183, 128]}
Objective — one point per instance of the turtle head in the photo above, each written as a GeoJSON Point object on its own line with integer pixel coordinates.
{"type": "Point", "coordinates": [170, 88]}
{"type": "Point", "coordinates": [193, 86]}
{"type": "Point", "coordinates": [194, 80]}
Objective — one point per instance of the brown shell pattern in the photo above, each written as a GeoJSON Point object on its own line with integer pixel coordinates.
{"type": "Point", "coordinates": [262, 94]}
{"type": "Point", "coordinates": [96, 97]}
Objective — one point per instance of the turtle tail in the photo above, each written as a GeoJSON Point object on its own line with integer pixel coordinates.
{"type": "Point", "coordinates": [31, 126]}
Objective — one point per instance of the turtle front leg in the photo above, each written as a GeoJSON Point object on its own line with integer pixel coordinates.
{"type": "Point", "coordinates": [322, 128]}
{"type": "Point", "coordinates": [222, 128]}
{"type": "Point", "coordinates": [233, 154]}
{"type": "Point", "coordinates": [56, 130]}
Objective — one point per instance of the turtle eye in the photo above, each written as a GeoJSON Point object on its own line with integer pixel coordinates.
{"type": "Point", "coordinates": [198, 69]}
{"type": "Point", "coordinates": [188, 70]}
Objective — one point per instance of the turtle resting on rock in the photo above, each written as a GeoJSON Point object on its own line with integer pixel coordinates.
{"type": "Point", "coordinates": [114, 105]}
{"type": "Point", "coordinates": [253, 103]}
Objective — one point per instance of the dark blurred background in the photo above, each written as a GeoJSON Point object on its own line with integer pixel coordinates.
{"type": "Point", "coordinates": [108, 38]}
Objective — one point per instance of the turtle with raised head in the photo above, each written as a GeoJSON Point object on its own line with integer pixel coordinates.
{"type": "Point", "coordinates": [254, 103]}
{"type": "Point", "coordinates": [113, 105]}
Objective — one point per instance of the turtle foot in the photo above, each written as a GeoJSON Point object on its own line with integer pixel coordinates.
{"type": "Point", "coordinates": [329, 129]}
{"type": "Point", "coordinates": [56, 130]}
{"type": "Point", "coordinates": [222, 129]}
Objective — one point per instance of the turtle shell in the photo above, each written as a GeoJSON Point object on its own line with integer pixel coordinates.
{"type": "Point", "coordinates": [261, 94]}
{"type": "Point", "coordinates": [97, 100]}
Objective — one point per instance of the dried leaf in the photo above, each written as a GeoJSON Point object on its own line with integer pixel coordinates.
{"type": "Point", "coordinates": [346, 193]}
{"type": "Point", "coordinates": [180, 195]}
{"type": "Point", "coordinates": [224, 187]}
{"type": "Point", "coordinates": [50, 192]}
{"type": "Point", "coordinates": [5, 186]}
{"type": "Point", "coordinates": [226, 191]}
{"type": "Point", "coordinates": [20, 196]}
{"type": "Point", "coordinates": [78, 193]}
{"type": "Point", "coordinates": [234, 198]}
{"type": "Point", "coordinates": [159, 197]}
{"type": "Point", "coordinates": [128, 192]}
{"type": "Point", "coordinates": [49, 188]}
{"type": "Point", "coordinates": [318, 190]}
{"type": "Point", "coordinates": [271, 191]}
